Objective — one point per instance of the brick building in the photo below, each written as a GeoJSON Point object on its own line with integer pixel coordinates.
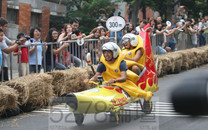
{"type": "Point", "coordinates": [123, 8]}
{"type": "Point", "coordinates": [24, 14]}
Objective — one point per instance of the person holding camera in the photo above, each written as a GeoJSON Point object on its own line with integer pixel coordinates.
{"type": "Point", "coordinates": [24, 69]}
{"type": "Point", "coordinates": [5, 49]}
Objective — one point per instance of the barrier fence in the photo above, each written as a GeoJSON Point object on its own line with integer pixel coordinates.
{"type": "Point", "coordinates": [183, 41]}
{"type": "Point", "coordinates": [75, 54]}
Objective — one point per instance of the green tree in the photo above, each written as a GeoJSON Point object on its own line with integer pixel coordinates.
{"type": "Point", "coordinates": [195, 6]}
{"type": "Point", "coordinates": [166, 7]}
{"type": "Point", "coordinates": [57, 22]}
{"type": "Point", "coordinates": [88, 11]}
{"type": "Point", "coordinates": [192, 6]}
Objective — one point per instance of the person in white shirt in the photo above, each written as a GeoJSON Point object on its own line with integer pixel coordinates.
{"type": "Point", "coordinates": [140, 27]}
{"type": "Point", "coordinates": [5, 49]}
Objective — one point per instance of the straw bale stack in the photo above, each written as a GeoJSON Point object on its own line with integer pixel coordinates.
{"type": "Point", "coordinates": [171, 62]}
{"type": "Point", "coordinates": [163, 63]}
{"type": "Point", "coordinates": [192, 58]}
{"type": "Point", "coordinates": [59, 80]}
{"type": "Point", "coordinates": [38, 87]}
{"type": "Point", "coordinates": [75, 78]}
{"type": "Point", "coordinates": [8, 98]}
{"type": "Point", "coordinates": [89, 70]}
{"type": "Point", "coordinates": [175, 61]}
{"type": "Point", "coordinates": [205, 53]}
{"type": "Point", "coordinates": [199, 55]}
{"type": "Point", "coordinates": [71, 80]}
{"type": "Point", "coordinates": [185, 63]}
{"type": "Point", "coordinates": [21, 88]}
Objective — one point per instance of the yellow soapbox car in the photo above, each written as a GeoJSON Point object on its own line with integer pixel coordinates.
{"type": "Point", "coordinates": [106, 98]}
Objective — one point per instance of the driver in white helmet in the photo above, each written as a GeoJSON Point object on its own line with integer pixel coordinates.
{"type": "Point", "coordinates": [113, 68]}
{"type": "Point", "coordinates": [110, 54]}
{"type": "Point", "coordinates": [134, 52]}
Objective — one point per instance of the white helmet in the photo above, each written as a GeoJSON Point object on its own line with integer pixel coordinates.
{"type": "Point", "coordinates": [111, 46]}
{"type": "Point", "coordinates": [130, 37]}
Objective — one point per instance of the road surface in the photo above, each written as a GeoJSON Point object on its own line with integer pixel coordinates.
{"type": "Point", "coordinates": [163, 116]}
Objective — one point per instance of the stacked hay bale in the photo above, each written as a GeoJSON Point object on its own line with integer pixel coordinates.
{"type": "Point", "coordinates": [171, 64]}
{"type": "Point", "coordinates": [71, 80]}
{"type": "Point", "coordinates": [22, 90]}
{"type": "Point", "coordinates": [35, 90]}
{"type": "Point", "coordinates": [204, 57]}
{"type": "Point", "coordinates": [175, 62]}
{"type": "Point", "coordinates": [163, 63]}
{"type": "Point", "coordinates": [181, 60]}
{"type": "Point", "coordinates": [74, 80]}
{"type": "Point", "coordinates": [185, 58]}
{"type": "Point", "coordinates": [59, 79]}
{"type": "Point", "coordinates": [198, 56]}
{"type": "Point", "coordinates": [8, 98]}
{"type": "Point", "coordinates": [192, 58]}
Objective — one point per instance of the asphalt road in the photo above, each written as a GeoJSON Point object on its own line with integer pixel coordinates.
{"type": "Point", "coordinates": [163, 116]}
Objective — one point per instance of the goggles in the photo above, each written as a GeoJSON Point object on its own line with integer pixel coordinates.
{"type": "Point", "coordinates": [124, 40]}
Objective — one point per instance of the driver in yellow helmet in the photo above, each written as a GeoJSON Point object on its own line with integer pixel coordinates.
{"type": "Point", "coordinates": [113, 68]}
{"type": "Point", "coordinates": [134, 52]}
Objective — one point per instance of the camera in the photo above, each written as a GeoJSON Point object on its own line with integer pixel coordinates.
{"type": "Point", "coordinates": [27, 37]}
{"type": "Point", "coordinates": [18, 42]}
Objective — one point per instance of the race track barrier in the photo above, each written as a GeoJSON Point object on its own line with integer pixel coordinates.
{"type": "Point", "coordinates": [70, 80]}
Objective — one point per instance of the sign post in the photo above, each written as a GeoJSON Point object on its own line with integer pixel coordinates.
{"type": "Point", "coordinates": [115, 23]}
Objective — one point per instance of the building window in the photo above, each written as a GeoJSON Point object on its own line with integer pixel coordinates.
{"type": "Point", "coordinates": [12, 16]}
{"type": "Point", "coordinates": [35, 19]}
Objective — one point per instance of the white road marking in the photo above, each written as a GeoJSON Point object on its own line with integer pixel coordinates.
{"type": "Point", "coordinates": [161, 109]}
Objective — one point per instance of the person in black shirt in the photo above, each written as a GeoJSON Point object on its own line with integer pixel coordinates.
{"type": "Point", "coordinates": [52, 37]}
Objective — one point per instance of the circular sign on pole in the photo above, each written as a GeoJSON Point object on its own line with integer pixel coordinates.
{"type": "Point", "coordinates": [115, 23]}
{"type": "Point", "coordinates": [168, 23]}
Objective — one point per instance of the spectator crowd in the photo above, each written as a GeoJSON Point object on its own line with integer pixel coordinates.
{"type": "Point", "coordinates": [30, 50]}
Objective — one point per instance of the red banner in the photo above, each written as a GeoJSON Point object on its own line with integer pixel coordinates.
{"type": "Point", "coordinates": [149, 59]}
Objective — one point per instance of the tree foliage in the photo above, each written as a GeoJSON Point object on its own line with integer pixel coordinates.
{"type": "Point", "coordinates": [88, 11]}
{"type": "Point", "coordinates": [195, 6]}
{"type": "Point", "coordinates": [166, 7]}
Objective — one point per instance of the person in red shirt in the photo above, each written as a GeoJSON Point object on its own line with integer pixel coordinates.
{"type": "Point", "coordinates": [24, 69]}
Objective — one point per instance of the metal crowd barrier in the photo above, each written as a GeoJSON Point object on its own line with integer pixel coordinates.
{"type": "Point", "coordinates": [77, 49]}
{"type": "Point", "coordinates": [183, 41]}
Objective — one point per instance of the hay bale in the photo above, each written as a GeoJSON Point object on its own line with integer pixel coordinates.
{"type": "Point", "coordinates": [71, 80]}
{"type": "Point", "coordinates": [192, 59]}
{"type": "Point", "coordinates": [8, 98]}
{"type": "Point", "coordinates": [39, 86]}
{"type": "Point", "coordinates": [205, 53]}
{"type": "Point", "coordinates": [185, 58]}
{"type": "Point", "coordinates": [176, 61]}
{"type": "Point", "coordinates": [198, 55]}
{"type": "Point", "coordinates": [164, 64]}
{"type": "Point", "coordinates": [89, 70]}
{"type": "Point", "coordinates": [21, 89]}
{"type": "Point", "coordinates": [59, 79]}
{"type": "Point", "coordinates": [75, 78]}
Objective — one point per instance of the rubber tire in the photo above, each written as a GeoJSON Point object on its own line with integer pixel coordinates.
{"type": "Point", "coordinates": [79, 118]}
{"type": "Point", "coordinates": [147, 108]}
{"type": "Point", "coordinates": [11, 112]}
